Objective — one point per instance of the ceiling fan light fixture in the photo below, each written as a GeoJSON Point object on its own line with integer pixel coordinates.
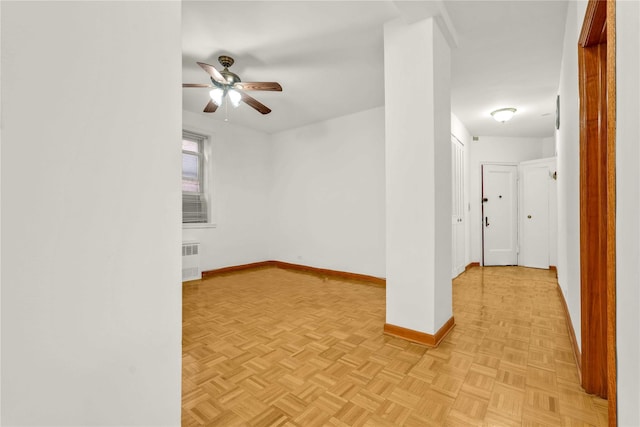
{"type": "Point", "coordinates": [216, 96]}
{"type": "Point", "coordinates": [503, 115]}
{"type": "Point", "coordinates": [234, 97]}
{"type": "Point", "coordinates": [227, 83]}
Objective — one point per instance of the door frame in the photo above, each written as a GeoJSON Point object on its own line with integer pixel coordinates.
{"type": "Point", "coordinates": [597, 88]}
{"type": "Point", "coordinates": [461, 219]}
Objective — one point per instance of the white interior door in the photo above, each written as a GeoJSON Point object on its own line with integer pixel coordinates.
{"type": "Point", "coordinates": [534, 217]}
{"type": "Point", "coordinates": [499, 214]}
{"type": "Point", "coordinates": [457, 207]}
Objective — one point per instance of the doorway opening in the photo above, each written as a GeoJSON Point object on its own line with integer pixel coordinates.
{"type": "Point", "coordinates": [499, 214]}
{"type": "Point", "coordinates": [519, 214]}
{"type": "Point", "coordinates": [596, 69]}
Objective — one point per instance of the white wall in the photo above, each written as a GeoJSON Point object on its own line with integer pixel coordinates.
{"type": "Point", "coordinates": [568, 146]}
{"type": "Point", "coordinates": [628, 211]}
{"type": "Point", "coordinates": [0, 219]}
{"type": "Point", "coordinates": [549, 147]}
{"type": "Point", "coordinates": [491, 149]}
{"type": "Point", "coordinates": [312, 196]}
{"type": "Point", "coordinates": [327, 201]}
{"type": "Point", "coordinates": [459, 130]}
{"type": "Point", "coordinates": [91, 294]}
{"type": "Point", "coordinates": [240, 182]}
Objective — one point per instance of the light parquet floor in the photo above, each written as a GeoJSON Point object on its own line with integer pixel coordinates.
{"type": "Point", "coordinates": [272, 347]}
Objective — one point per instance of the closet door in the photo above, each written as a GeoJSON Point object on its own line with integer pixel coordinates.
{"type": "Point", "coordinates": [535, 215]}
{"type": "Point", "coordinates": [457, 207]}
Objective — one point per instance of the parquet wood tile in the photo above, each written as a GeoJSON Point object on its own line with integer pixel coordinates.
{"type": "Point", "coordinates": [478, 384]}
{"type": "Point", "coordinates": [393, 412]}
{"type": "Point", "coordinates": [272, 347]}
{"type": "Point", "coordinates": [506, 402]}
{"type": "Point", "coordinates": [512, 376]}
{"type": "Point", "coordinates": [499, 420]}
{"type": "Point", "coordinates": [434, 406]}
{"type": "Point", "coordinates": [469, 408]}
{"type": "Point", "coordinates": [330, 402]}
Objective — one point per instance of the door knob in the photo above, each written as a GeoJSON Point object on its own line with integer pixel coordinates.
{"type": "Point", "coordinates": [529, 216]}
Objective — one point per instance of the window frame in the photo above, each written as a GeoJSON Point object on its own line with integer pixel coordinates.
{"type": "Point", "coordinates": [204, 147]}
{"type": "Point", "coordinates": [200, 155]}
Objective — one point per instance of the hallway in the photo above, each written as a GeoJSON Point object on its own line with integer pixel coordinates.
{"type": "Point", "coordinates": [274, 347]}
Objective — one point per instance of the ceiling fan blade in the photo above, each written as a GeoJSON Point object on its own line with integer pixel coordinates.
{"type": "Point", "coordinates": [275, 86]}
{"type": "Point", "coordinates": [195, 85]}
{"type": "Point", "coordinates": [213, 72]}
{"type": "Point", "coordinates": [252, 102]}
{"type": "Point", "coordinates": [211, 107]}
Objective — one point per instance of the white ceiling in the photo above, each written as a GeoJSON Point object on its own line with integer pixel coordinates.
{"type": "Point", "coordinates": [328, 56]}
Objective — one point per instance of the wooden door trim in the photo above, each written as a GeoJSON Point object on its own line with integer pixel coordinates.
{"type": "Point", "coordinates": [593, 218]}
{"type": "Point", "coordinates": [598, 279]}
{"type": "Point", "coordinates": [611, 217]}
{"type": "Point", "coordinates": [594, 26]}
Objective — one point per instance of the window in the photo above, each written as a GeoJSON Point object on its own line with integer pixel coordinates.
{"type": "Point", "coordinates": [194, 199]}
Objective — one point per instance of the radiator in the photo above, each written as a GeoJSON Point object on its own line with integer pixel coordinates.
{"type": "Point", "coordinates": [191, 261]}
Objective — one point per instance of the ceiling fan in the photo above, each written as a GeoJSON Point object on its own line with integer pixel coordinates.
{"type": "Point", "coordinates": [227, 84]}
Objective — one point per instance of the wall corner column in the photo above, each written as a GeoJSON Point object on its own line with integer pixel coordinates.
{"type": "Point", "coordinates": [418, 179]}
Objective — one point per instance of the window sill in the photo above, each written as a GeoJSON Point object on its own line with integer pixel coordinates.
{"type": "Point", "coordinates": [198, 225]}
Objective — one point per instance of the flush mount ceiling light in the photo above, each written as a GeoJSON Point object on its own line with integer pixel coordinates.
{"type": "Point", "coordinates": [503, 115]}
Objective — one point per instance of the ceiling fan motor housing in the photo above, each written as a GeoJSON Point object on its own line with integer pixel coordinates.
{"type": "Point", "coordinates": [226, 62]}
{"type": "Point", "coordinates": [231, 78]}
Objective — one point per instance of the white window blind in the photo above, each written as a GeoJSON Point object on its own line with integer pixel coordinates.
{"type": "Point", "coordinates": [194, 199]}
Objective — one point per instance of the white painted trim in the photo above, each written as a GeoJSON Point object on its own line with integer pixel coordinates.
{"type": "Point", "coordinates": [544, 160]}
{"type": "Point", "coordinates": [199, 225]}
{"type": "Point", "coordinates": [0, 217]}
